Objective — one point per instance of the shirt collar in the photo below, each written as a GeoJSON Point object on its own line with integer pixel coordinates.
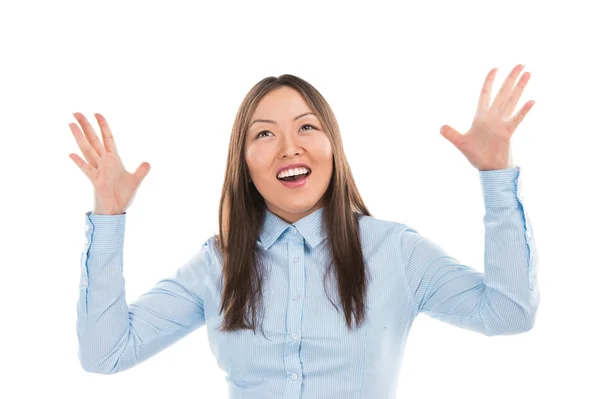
{"type": "Point", "coordinates": [311, 227]}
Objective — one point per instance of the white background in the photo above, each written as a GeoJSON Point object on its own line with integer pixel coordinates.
{"type": "Point", "coordinates": [169, 80]}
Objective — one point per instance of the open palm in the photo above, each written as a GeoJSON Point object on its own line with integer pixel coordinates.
{"type": "Point", "coordinates": [114, 187]}
{"type": "Point", "coordinates": [487, 143]}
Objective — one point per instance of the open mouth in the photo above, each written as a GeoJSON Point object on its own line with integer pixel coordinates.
{"type": "Point", "coordinates": [296, 177]}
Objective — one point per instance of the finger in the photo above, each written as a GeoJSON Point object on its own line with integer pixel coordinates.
{"type": "Point", "coordinates": [142, 171]}
{"type": "Point", "coordinates": [85, 168]}
{"type": "Point", "coordinates": [452, 135]}
{"type": "Point", "coordinates": [88, 152]}
{"type": "Point", "coordinates": [486, 91]}
{"type": "Point", "coordinates": [515, 95]}
{"type": "Point", "coordinates": [107, 136]}
{"type": "Point", "coordinates": [90, 134]}
{"type": "Point", "coordinates": [506, 87]}
{"type": "Point", "coordinates": [518, 118]}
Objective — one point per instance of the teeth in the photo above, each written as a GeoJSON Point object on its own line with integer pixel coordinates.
{"type": "Point", "coordinates": [292, 172]}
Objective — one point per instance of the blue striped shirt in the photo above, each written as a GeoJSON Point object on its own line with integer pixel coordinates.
{"type": "Point", "coordinates": [309, 352]}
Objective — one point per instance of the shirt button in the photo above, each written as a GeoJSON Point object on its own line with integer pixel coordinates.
{"type": "Point", "coordinates": [296, 297]}
{"type": "Point", "coordinates": [294, 231]}
{"type": "Point", "coordinates": [296, 259]}
{"type": "Point", "coordinates": [294, 376]}
{"type": "Point", "coordinates": [528, 233]}
{"type": "Point", "coordinates": [294, 336]}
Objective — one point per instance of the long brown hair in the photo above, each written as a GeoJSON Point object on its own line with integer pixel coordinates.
{"type": "Point", "coordinates": [242, 204]}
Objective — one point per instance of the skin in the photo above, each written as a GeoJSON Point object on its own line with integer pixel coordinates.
{"type": "Point", "coordinates": [487, 143]}
{"type": "Point", "coordinates": [486, 146]}
{"type": "Point", "coordinates": [271, 145]}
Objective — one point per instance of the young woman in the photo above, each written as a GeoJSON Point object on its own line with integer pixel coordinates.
{"type": "Point", "coordinates": [332, 289]}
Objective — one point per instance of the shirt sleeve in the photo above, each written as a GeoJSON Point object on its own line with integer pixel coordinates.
{"type": "Point", "coordinates": [504, 299]}
{"type": "Point", "coordinates": [114, 336]}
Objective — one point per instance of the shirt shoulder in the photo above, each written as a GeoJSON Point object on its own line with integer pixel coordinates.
{"type": "Point", "coordinates": [211, 251]}
{"type": "Point", "coordinates": [376, 230]}
{"type": "Point", "coordinates": [372, 224]}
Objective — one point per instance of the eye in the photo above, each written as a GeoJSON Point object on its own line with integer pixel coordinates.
{"type": "Point", "coordinates": [310, 126]}
{"type": "Point", "coordinates": [266, 131]}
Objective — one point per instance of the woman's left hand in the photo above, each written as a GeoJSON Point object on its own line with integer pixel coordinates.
{"type": "Point", "coordinates": [487, 143]}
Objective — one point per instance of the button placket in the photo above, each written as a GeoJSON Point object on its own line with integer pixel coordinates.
{"type": "Point", "coordinates": [294, 318]}
{"type": "Point", "coordinates": [296, 260]}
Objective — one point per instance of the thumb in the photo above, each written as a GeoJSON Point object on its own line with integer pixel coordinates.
{"type": "Point", "coordinates": [451, 135]}
{"type": "Point", "coordinates": [142, 171]}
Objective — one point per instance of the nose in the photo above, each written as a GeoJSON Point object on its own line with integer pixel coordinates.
{"type": "Point", "coordinates": [290, 146]}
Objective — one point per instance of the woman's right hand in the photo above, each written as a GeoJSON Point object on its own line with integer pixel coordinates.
{"type": "Point", "coordinates": [114, 187]}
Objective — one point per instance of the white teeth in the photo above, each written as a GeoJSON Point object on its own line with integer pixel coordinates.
{"type": "Point", "coordinates": [292, 172]}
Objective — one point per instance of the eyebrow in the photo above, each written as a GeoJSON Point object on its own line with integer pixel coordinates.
{"type": "Point", "coordinates": [272, 121]}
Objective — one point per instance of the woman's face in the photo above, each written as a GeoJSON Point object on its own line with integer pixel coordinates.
{"type": "Point", "coordinates": [278, 139]}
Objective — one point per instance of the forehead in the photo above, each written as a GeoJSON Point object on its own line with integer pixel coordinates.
{"type": "Point", "coordinates": [283, 101]}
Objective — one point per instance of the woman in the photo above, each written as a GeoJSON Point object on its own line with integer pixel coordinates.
{"type": "Point", "coordinates": [290, 216]}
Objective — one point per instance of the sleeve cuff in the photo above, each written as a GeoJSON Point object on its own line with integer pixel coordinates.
{"type": "Point", "coordinates": [104, 233]}
{"type": "Point", "coordinates": [500, 186]}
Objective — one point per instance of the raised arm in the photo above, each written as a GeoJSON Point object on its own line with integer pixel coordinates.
{"type": "Point", "coordinates": [504, 299]}
{"type": "Point", "coordinates": [114, 336]}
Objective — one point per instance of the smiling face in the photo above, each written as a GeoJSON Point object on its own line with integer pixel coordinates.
{"type": "Point", "coordinates": [287, 132]}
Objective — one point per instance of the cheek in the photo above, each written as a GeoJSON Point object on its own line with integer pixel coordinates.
{"type": "Point", "coordinates": [323, 153]}
{"type": "Point", "coordinates": [258, 163]}
{"type": "Point", "coordinates": [322, 156]}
